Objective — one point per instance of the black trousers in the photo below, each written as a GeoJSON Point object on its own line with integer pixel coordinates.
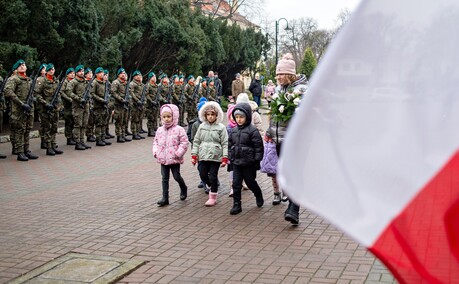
{"type": "Point", "coordinates": [208, 173]}
{"type": "Point", "coordinates": [247, 174]}
{"type": "Point", "coordinates": [165, 173]}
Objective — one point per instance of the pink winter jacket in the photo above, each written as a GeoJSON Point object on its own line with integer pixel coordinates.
{"type": "Point", "coordinates": [171, 142]}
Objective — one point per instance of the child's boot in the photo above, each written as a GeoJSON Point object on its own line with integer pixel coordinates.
{"type": "Point", "coordinates": [237, 208]}
{"type": "Point", "coordinates": [165, 200]}
{"type": "Point", "coordinates": [212, 199]}
{"type": "Point", "coordinates": [183, 193]}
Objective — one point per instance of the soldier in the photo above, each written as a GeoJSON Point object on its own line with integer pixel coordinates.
{"type": "Point", "coordinates": [90, 137]}
{"type": "Point", "coordinates": [118, 91]}
{"type": "Point", "coordinates": [191, 95]}
{"type": "Point", "coordinates": [18, 89]}
{"type": "Point", "coordinates": [211, 91]}
{"type": "Point", "coordinates": [164, 89]}
{"type": "Point", "coordinates": [78, 90]}
{"type": "Point", "coordinates": [2, 105]}
{"type": "Point", "coordinates": [100, 106]}
{"type": "Point", "coordinates": [203, 90]}
{"type": "Point", "coordinates": [152, 106]}
{"type": "Point", "coordinates": [217, 83]}
{"type": "Point", "coordinates": [67, 101]}
{"type": "Point", "coordinates": [42, 73]}
{"type": "Point", "coordinates": [237, 87]}
{"type": "Point", "coordinates": [135, 90]}
{"type": "Point", "coordinates": [110, 106]}
{"type": "Point", "coordinates": [46, 88]}
{"type": "Point", "coordinates": [177, 90]}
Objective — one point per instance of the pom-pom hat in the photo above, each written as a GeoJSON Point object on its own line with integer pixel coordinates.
{"type": "Point", "coordinates": [286, 65]}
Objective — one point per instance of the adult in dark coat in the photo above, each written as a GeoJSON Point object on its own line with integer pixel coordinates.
{"type": "Point", "coordinates": [255, 89]}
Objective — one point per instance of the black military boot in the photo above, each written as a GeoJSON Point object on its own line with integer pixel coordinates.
{"type": "Point", "coordinates": [292, 213]}
{"type": "Point", "coordinates": [108, 135]}
{"type": "Point", "coordinates": [126, 139]}
{"type": "Point", "coordinates": [141, 137]}
{"type": "Point", "coordinates": [30, 155]}
{"type": "Point", "coordinates": [136, 137]}
{"type": "Point", "coordinates": [91, 138]}
{"type": "Point", "coordinates": [22, 157]}
{"type": "Point", "coordinates": [14, 151]}
{"type": "Point", "coordinates": [107, 143]}
{"type": "Point", "coordinates": [120, 139]}
{"type": "Point", "coordinates": [165, 200]}
{"type": "Point", "coordinates": [79, 146]}
{"type": "Point", "coordinates": [151, 133]}
{"type": "Point", "coordinates": [86, 145]}
{"type": "Point", "coordinates": [56, 150]}
{"type": "Point", "coordinates": [100, 142]}
{"type": "Point", "coordinates": [126, 131]}
{"type": "Point", "coordinates": [50, 152]}
{"type": "Point", "coordinates": [70, 141]}
{"type": "Point", "coordinates": [142, 131]}
{"type": "Point", "coordinates": [43, 145]}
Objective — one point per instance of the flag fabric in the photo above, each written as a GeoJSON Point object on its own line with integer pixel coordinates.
{"type": "Point", "coordinates": [374, 145]}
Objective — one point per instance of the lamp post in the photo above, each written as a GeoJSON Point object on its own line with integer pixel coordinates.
{"type": "Point", "coordinates": [277, 31]}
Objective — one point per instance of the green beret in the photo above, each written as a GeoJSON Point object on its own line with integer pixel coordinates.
{"type": "Point", "coordinates": [136, 72]}
{"type": "Point", "coordinates": [18, 63]}
{"type": "Point", "coordinates": [173, 77]}
{"type": "Point", "coordinates": [181, 76]}
{"type": "Point", "coordinates": [190, 77]}
{"type": "Point", "coordinates": [43, 65]}
{"type": "Point", "coordinates": [70, 70]}
{"type": "Point", "coordinates": [78, 68]}
{"type": "Point", "coordinates": [49, 67]}
{"type": "Point", "coordinates": [121, 70]}
{"type": "Point", "coordinates": [106, 72]}
{"type": "Point", "coordinates": [151, 74]}
{"type": "Point", "coordinates": [87, 70]}
{"type": "Point", "coordinates": [162, 76]}
{"type": "Point", "coordinates": [99, 70]}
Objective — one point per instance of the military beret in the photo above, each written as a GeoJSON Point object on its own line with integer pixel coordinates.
{"type": "Point", "coordinates": [162, 75]}
{"type": "Point", "coordinates": [121, 70]}
{"type": "Point", "coordinates": [43, 65]}
{"type": "Point", "coordinates": [87, 70]}
{"type": "Point", "coordinates": [79, 67]}
{"type": "Point", "coordinates": [70, 70]}
{"type": "Point", "coordinates": [136, 72]}
{"type": "Point", "coordinates": [49, 67]}
{"type": "Point", "coordinates": [106, 72]}
{"type": "Point", "coordinates": [181, 76]}
{"type": "Point", "coordinates": [151, 74]}
{"type": "Point", "coordinates": [99, 70]}
{"type": "Point", "coordinates": [190, 77]}
{"type": "Point", "coordinates": [18, 63]}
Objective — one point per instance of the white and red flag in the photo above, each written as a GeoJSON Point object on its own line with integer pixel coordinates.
{"type": "Point", "coordinates": [374, 145]}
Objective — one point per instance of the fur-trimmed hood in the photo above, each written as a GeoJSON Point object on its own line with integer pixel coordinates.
{"type": "Point", "coordinates": [211, 106]}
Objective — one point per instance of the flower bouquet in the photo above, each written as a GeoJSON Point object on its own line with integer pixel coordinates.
{"type": "Point", "coordinates": [284, 104]}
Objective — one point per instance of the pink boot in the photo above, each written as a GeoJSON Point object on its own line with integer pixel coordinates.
{"type": "Point", "coordinates": [212, 199]}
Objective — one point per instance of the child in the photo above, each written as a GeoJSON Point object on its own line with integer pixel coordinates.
{"type": "Point", "coordinates": [192, 129]}
{"type": "Point", "coordinates": [169, 146]}
{"type": "Point", "coordinates": [210, 147]}
{"type": "Point", "coordinates": [246, 152]}
{"type": "Point", "coordinates": [256, 117]}
{"type": "Point", "coordinates": [231, 124]}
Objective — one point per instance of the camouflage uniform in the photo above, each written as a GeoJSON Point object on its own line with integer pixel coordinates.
{"type": "Point", "coordinates": [211, 93]}
{"type": "Point", "coordinates": [177, 89]}
{"type": "Point", "coordinates": [118, 91]}
{"type": "Point", "coordinates": [80, 108]}
{"type": "Point", "coordinates": [2, 106]}
{"type": "Point", "coordinates": [99, 110]}
{"type": "Point", "coordinates": [17, 89]}
{"type": "Point", "coordinates": [135, 90]}
{"type": "Point", "coordinates": [152, 108]}
{"type": "Point", "coordinates": [203, 91]}
{"type": "Point", "coordinates": [191, 101]}
{"type": "Point", "coordinates": [49, 115]}
{"type": "Point", "coordinates": [68, 117]}
{"type": "Point", "coordinates": [164, 93]}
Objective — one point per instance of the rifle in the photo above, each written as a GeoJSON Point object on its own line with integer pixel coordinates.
{"type": "Point", "coordinates": [55, 98]}
{"type": "Point", "coordinates": [155, 103]}
{"type": "Point", "coordinates": [196, 89]}
{"type": "Point", "coordinates": [142, 96]}
{"type": "Point", "coordinates": [182, 95]}
{"type": "Point", "coordinates": [2, 87]}
{"type": "Point", "coordinates": [30, 98]}
{"type": "Point", "coordinates": [107, 93]}
{"type": "Point", "coordinates": [127, 97]}
{"type": "Point", "coordinates": [169, 94]}
{"type": "Point", "coordinates": [86, 93]}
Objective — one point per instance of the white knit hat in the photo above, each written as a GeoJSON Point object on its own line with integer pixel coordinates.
{"type": "Point", "coordinates": [242, 98]}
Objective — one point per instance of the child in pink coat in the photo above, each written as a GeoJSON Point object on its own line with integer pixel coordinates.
{"type": "Point", "coordinates": [169, 146]}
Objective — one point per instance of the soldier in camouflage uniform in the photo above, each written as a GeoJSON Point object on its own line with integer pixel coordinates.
{"type": "Point", "coordinates": [118, 91]}
{"type": "Point", "coordinates": [67, 101]}
{"type": "Point", "coordinates": [164, 90]}
{"type": "Point", "coordinates": [90, 137]}
{"type": "Point", "coordinates": [211, 91]}
{"type": "Point", "coordinates": [41, 73]}
{"type": "Point", "coordinates": [204, 88]}
{"type": "Point", "coordinates": [135, 91]}
{"type": "Point", "coordinates": [176, 98]}
{"type": "Point", "coordinates": [2, 106]}
{"type": "Point", "coordinates": [45, 88]}
{"type": "Point", "coordinates": [152, 106]}
{"type": "Point", "coordinates": [17, 89]}
{"type": "Point", "coordinates": [99, 106]}
{"type": "Point", "coordinates": [191, 99]}
{"type": "Point", "coordinates": [110, 106]}
{"type": "Point", "coordinates": [80, 107]}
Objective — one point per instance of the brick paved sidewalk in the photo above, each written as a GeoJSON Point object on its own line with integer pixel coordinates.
{"type": "Point", "coordinates": [103, 201]}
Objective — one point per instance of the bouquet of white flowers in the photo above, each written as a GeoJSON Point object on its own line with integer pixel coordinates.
{"type": "Point", "coordinates": [284, 104]}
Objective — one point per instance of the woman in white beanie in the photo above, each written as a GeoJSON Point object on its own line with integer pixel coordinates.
{"type": "Point", "coordinates": [287, 78]}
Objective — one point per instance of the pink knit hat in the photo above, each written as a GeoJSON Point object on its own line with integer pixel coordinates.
{"type": "Point", "coordinates": [286, 65]}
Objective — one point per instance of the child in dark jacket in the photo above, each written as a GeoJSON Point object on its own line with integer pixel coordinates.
{"type": "Point", "coordinates": [245, 152]}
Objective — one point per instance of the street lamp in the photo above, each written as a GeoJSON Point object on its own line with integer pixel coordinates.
{"type": "Point", "coordinates": [277, 31]}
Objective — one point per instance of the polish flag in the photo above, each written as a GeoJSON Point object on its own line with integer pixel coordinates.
{"type": "Point", "coordinates": [374, 145]}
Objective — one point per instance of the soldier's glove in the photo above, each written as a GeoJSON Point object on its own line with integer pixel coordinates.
{"type": "Point", "coordinates": [26, 107]}
{"type": "Point", "coordinates": [194, 159]}
{"type": "Point", "coordinates": [49, 107]}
